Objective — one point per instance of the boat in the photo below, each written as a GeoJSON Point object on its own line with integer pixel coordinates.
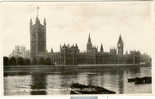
{"type": "Point", "coordinates": [77, 88]}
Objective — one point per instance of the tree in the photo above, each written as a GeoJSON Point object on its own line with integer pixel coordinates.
{"type": "Point", "coordinates": [48, 61]}
{"type": "Point", "coordinates": [42, 61]}
{"type": "Point", "coordinates": [5, 61]}
{"type": "Point", "coordinates": [20, 61]}
{"type": "Point", "coordinates": [27, 61]}
{"type": "Point", "coordinates": [34, 61]}
{"type": "Point", "coordinates": [12, 61]}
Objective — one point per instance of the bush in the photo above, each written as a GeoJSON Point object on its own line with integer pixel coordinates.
{"type": "Point", "coordinates": [5, 61]}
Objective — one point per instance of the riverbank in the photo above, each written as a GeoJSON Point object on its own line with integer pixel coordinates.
{"type": "Point", "coordinates": [29, 69]}
{"type": "Point", "coordinates": [80, 65]}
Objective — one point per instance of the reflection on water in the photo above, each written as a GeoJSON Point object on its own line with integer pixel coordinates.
{"type": "Point", "coordinates": [59, 82]}
{"type": "Point", "coordinates": [38, 85]}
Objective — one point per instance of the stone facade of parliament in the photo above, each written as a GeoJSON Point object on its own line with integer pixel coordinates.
{"type": "Point", "coordinates": [72, 55]}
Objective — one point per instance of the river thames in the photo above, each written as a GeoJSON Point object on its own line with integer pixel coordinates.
{"type": "Point", "coordinates": [59, 82]}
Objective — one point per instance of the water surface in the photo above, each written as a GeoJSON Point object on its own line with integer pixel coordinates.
{"type": "Point", "coordinates": [60, 82]}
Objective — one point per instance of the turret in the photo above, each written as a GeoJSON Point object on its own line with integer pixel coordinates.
{"type": "Point", "coordinates": [31, 25]}
{"type": "Point", "coordinates": [51, 50]}
{"type": "Point", "coordinates": [76, 45]}
{"type": "Point", "coordinates": [101, 49]}
{"type": "Point", "coordinates": [89, 39]}
{"type": "Point", "coordinates": [31, 22]}
{"type": "Point", "coordinates": [44, 21]}
{"type": "Point", "coordinates": [37, 20]}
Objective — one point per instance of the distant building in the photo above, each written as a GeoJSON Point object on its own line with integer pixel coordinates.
{"type": "Point", "coordinates": [146, 59]}
{"type": "Point", "coordinates": [20, 51]}
{"type": "Point", "coordinates": [71, 55]}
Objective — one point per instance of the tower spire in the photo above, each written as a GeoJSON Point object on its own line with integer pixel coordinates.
{"type": "Point", "coordinates": [89, 39]}
{"type": "Point", "coordinates": [37, 12]}
{"type": "Point", "coordinates": [37, 8]}
{"type": "Point", "coordinates": [89, 44]}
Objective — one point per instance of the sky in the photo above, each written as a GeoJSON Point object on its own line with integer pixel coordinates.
{"type": "Point", "coordinates": [72, 22]}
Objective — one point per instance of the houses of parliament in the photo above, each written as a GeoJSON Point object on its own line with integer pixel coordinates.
{"type": "Point", "coordinates": [71, 55]}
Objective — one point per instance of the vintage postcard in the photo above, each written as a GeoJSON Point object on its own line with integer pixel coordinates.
{"type": "Point", "coordinates": [63, 48]}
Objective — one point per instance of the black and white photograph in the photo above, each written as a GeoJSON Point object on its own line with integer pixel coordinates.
{"type": "Point", "coordinates": [74, 48]}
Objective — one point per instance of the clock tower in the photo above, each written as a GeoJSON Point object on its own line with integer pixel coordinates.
{"type": "Point", "coordinates": [120, 46]}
